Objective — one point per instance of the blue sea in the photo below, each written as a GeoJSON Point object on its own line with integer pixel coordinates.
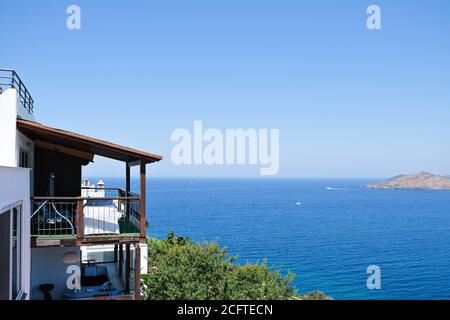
{"type": "Point", "coordinates": [325, 231]}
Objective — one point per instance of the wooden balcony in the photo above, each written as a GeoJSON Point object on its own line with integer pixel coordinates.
{"type": "Point", "coordinates": [100, 216]}
{"type": "Point", "coordinates": [61, 154]}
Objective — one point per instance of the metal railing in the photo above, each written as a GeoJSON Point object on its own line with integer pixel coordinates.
{"type": "Point", "coordinates": [104, 212]}
{"type": "Point", "coordinates": [53, 217]}
{"type": "Point", "coordinates": [10, 79]}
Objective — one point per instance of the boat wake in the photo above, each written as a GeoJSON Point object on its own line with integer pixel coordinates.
{"type": "Point", "coordinates": [338, 189]}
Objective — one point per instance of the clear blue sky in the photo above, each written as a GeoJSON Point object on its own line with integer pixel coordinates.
{"type": "Point", "coordinates": [349, 102]}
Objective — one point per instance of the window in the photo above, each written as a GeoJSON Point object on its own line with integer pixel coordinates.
{"type": "Point", "coordinates": [24, 159]}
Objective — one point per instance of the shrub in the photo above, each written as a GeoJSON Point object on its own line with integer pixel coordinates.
{"type": "Point", "coordinates": [180, 269]}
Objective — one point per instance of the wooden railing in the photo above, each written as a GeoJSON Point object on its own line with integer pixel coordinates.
{"type": "Point", "coordinates": [100, 212]}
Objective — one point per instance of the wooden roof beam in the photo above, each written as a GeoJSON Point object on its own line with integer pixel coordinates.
{"type": "Point", "coordinates": [85, 156]}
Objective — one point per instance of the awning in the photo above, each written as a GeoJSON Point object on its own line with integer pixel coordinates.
{"type": "Point", "coordinates": [81, 145]}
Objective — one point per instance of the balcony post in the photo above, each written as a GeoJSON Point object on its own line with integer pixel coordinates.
{"type": "Point", "coordinates": [120, 259]}
{"type": "Point", "coordinates": [143, 212]}
{"type": "Point", "coordinates": [116, 253]}
{"type": "Point", "coordinates": [127, 267]}
{"type": "Point", "coordinates": [80, 219]}
{"type": "Point", "coordinates": [127, 179]}
{"type": "Point", "coordinates": [137, 273]}
{"type": "Point", "coordinates": [127, 188]}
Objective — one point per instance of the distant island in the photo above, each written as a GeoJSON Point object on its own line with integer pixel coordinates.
{"type": "Point", "coordinates": [417, 181]}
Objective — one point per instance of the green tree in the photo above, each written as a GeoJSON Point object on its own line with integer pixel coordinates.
{"type": "Point", "coordinates": [258, 282]}
{"type": "Point", "coordinates": [180, 269]}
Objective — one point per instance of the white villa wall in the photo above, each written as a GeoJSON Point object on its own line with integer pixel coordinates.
{"type": "Point", "coordinates": [8, 131]}
{"type": "Point", "coordinates": [11, 140]}
{"type": "Point", "coordinates": [47, 266]}
{"type": "Point", "coordinates": [15, 186]}
{"type": "Point", "coordinates": [26, 144]}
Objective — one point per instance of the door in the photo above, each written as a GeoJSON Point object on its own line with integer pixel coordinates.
{"type": "Point", "coordinates": [5, 255]}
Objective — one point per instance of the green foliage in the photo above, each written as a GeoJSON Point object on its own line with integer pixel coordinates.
{"type": "Point", "coordinates": [315, 295]}
{"type": "Point", "coordinates": [258, 282]}
{"type": "Point", "coordinates": [180, 269]}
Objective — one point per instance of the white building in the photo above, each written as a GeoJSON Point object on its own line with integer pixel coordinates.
{"type": "Point", "coordinates": [60, 240]}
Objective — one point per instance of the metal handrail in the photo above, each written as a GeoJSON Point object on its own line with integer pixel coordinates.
{"type": "Point", "coordinates": [10, 79]}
